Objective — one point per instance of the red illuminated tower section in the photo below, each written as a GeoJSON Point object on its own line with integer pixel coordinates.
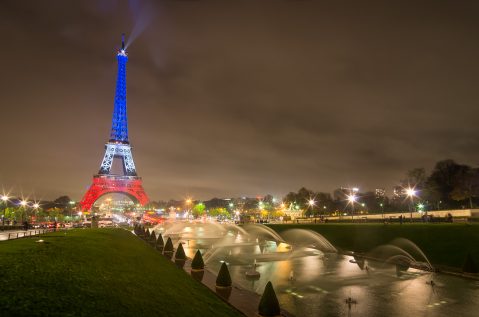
{"type": "Point", "coordinates": [117, 148]}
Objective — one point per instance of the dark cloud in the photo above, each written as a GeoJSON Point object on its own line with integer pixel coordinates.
{"type": "Point", "coordinates": [239, 98]}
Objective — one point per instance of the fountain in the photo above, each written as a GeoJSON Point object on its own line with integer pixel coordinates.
{"type": "Point", "coordinates": [253, 274]}
{"type": "Point", "coordinates": [311, 278]}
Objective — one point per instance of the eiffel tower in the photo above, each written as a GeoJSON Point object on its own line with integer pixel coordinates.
{"type": "Point", "coordinates": [118, 147]}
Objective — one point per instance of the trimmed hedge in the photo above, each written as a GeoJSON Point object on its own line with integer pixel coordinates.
{"type": "Point", "coordinates": [224, 278]}
{"type": "Point", "coordinates": [180, 252]}
{"type": "Point", "coordinates": [160, 244]}
{"type": "Point", "coordinates": [153, 238]}
{"type": "Point", "coordinates": [198, 263]}
{"type": "Point", "coordinates": [469, 265]}
{"type": "Point", "coordinates": [168, 246]}
{"type": "Point", "coordinates": [269, 305]}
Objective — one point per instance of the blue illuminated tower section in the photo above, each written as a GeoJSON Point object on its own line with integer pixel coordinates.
{"type": "Point", "coordinates": [119, 125]}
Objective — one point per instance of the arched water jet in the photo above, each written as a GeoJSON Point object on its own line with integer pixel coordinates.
{"type": "Point", "coordinates": [263, 231]}
{"type": "Point", "coordinates": [311, 238]}
{"type": "Point", "coordinates": [402, 242]}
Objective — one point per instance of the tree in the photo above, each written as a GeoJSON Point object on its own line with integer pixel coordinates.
{"type": "Point", "coordinates": [62, 201]}
{"type": "Point", "coordinates": [198, 210]}
{"type": "Point", "coordinates": [466, 186]}
{"type": "Point", "coordinates": [219, 212]}
{"type": "Point", "coordinates": [444, 179]}
{"type": "Point", "coordinates": [415, 178]}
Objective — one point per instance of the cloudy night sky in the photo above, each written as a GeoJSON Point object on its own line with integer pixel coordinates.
{"type": "Point", "coordinates": [238, 98]}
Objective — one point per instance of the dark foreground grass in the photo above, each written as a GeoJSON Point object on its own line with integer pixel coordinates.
{"type": "Point", "coordinates": [97, 272]}
{"type": "Point", "coordinates": [443, 244]}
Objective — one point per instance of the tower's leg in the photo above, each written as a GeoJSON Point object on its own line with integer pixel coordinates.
{"type": "Point", "coordinates": [130, 186]}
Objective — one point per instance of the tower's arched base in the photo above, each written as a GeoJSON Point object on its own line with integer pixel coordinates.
{"type": "Point", "coordinates": [109, 184]}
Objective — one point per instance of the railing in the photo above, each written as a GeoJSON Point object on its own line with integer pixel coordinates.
{"type": "Point", "coordinates": [26, 234]}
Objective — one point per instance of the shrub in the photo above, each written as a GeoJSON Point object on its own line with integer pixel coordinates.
{"type": "Point", "coordinates": [180, 252]}
{"type": "Point", "coordinates": [469, 265]}
{"type": "Point", "coordinates": [168, 246]}
{"type": "Point", "coordinates": [198, 263]}
{"type": "Point", "coordinates": [269, 305]}
{"type": "Point", "coordinates": [160, 244]}
{"type": "Point", "coordinates": [153, 238]}
{"type": "Point", "coordinates": [224, 278]}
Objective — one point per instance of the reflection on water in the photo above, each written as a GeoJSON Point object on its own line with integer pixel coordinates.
{"type": "Point", "coordinates": [309, 282]}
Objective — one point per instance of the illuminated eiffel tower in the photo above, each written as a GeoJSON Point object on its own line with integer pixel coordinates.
{"type": "Point", "coordinates": [118, 147]}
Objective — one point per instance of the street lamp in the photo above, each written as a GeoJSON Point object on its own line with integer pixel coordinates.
{"type": "Point", "coordinates": [24, 204]}
{"type": "Point", "coordinates": [311, 203]}
{"type": "Point", "coordinates": [35, 207]}
{"type": "Point", "coordinates": [411, 193]}
{"type": "Point", "coordinates": [5, 199]}
{"type": "Point", "coordinates": [72, 204]}
{"type": "Point", "coordinates": [352, 199]}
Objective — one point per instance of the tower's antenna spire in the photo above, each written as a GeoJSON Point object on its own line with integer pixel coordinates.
{"type": "Point", "coordinates": [122, 41]}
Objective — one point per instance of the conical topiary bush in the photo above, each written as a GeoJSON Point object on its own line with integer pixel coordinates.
{"type": "Point", "coordinates": [197, 264]}
{"type": "Point", "coordinates": [146, 236]}
{"type": "Point", "coordinates": [168, 250]}
{"type": "Point", "coordinates": [269, 305]}
{"type": "Point", "coordinates": [469, 265]}
{"type": "Point", "coordinates": [180, 253]}
{"type": "Point", "coordinates": [224, 278]}
{"type": "Point", "coordinates": [153, 238]}
{"type": "Point", "coordinates": [160, 244]}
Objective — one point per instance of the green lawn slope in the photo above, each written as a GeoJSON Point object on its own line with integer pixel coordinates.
{"type": "Point", "coordinates": [97, 272]}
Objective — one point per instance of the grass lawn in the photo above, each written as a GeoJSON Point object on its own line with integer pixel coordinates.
{"type": "Point", "coordinates": [443, 244]}
{"type": "Point", "coordinates": [97, 272]}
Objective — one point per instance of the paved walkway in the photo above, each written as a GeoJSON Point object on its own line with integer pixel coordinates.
{"type": "Point", "coordinates": [243, 300]}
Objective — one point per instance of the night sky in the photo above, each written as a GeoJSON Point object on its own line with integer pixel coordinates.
{"type": "Point", "coordinates": [238, 98]}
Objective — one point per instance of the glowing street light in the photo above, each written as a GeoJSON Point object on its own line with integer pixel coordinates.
{"type": "Point", "coordinates": [352, 199]}
{"type": "Point", "coordinates": [311, 202]}
{"type": "Point", "coordinates": [411, 193]}
{"type": "Point", "coordinates": [5, 199]}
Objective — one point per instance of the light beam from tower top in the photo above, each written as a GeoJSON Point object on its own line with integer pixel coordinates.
{"type": "Point", "coordinates": [122, 50]}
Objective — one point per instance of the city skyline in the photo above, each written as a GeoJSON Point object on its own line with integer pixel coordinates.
{"type": "Point", "coordinates": [322, 99]}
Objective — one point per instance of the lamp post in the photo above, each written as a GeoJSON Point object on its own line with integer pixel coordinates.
{"type": "Point", "coordinates": [35, 208]}
{"type": "Point", "coordinates": [311, 203]}
{"type": "Point", "coordinates": [24, 205]}
{"type": "Point", "coordinates": [5, 199]}
{"type": "Point", "coordinates": [410, 192]}
{"type": "Point", "coordinates": [352, 199]}
{"type": "Point", "coordinates": [72, 205]}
